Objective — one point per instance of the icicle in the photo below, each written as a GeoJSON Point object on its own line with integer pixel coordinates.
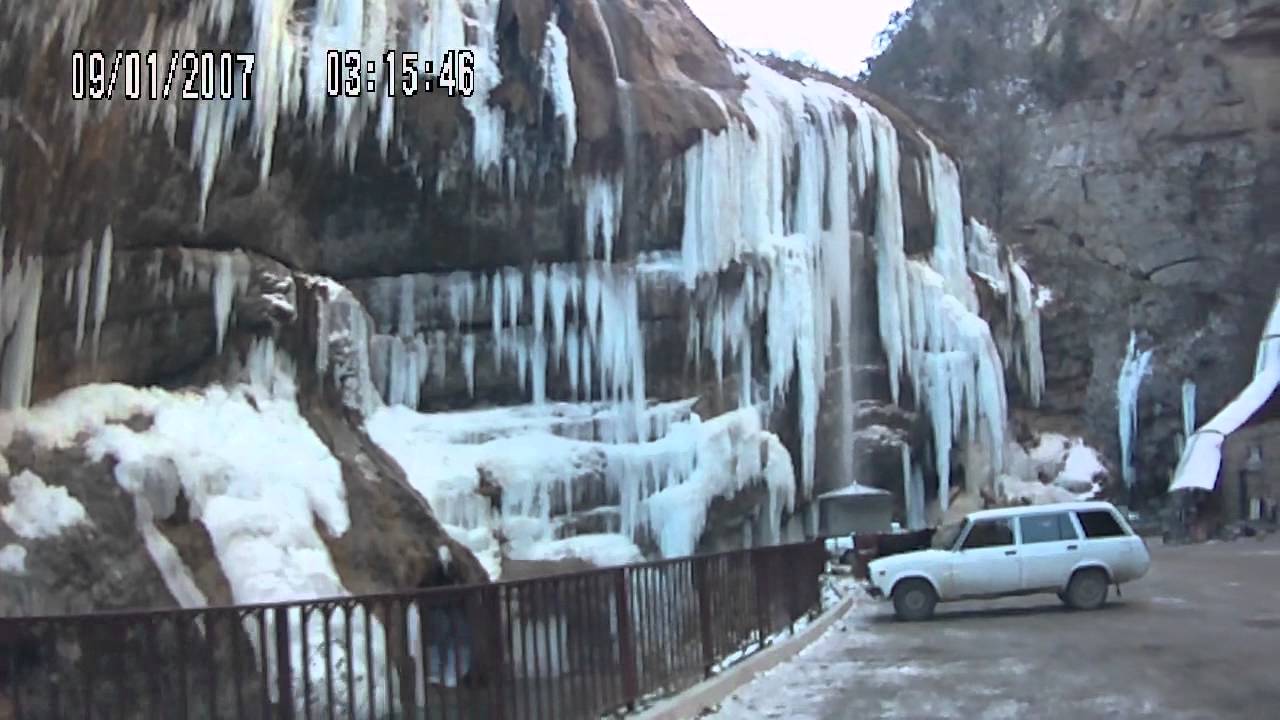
{"type": "Point", "coordinates": [558, 85]}
{"type": "Point", "coordinates": [489, 118]}
{"type": "Point", "coordinates": [469, 362]}
{"type": "Point", "coordinates": [538, 286]}
{"type": "Point", "coordinates": [439, 363]}
{"type": "Point", "coordinates": [1027, 312]}
{"type": "Point", "coordinates": [891, 275]}
{"type": "Point", "coordinates": [101, 288]}
{"type": "Point", "coordinates": [602, 208]}
{"type": "Point", "coordinates": [462, 298]}
{"type": "Point", "coordinates": [573, 357]}
{"type": "Point", "coordinates": [223, 290]}
{"type": "Point", "coordinates": [19, 317]}
{"type": "Point", "coordinates": [84, 271]}
{"type": "Point", "coordinates": [406, 318]}
{"type": "Point", "coordinates": [558, 304]}
{"type": "Point", "coordinates": [949, 255]}
{"type": "Point", "coordinates": [495, 317]}
{"type": "Point", "coordinates": [1188, 408]}
{"type": "Point", "coordinates": [1137, 365]}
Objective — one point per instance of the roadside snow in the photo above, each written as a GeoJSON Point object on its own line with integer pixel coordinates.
{"type": "Point", "coordinates": [40, 511]}
{"type": "Point", "coordinates": [799, 689]}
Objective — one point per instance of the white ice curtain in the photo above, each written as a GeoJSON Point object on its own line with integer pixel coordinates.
{"type": "Point", "coordinates": [1202, 457]}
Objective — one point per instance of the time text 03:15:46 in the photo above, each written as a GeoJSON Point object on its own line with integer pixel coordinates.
{"type": "Point", "coordinates": [350, 73]}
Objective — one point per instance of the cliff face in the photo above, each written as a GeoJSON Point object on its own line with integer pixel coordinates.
{"type": "Point", "coordinates": [637, 294]}
{"type": "Point", "coordinates": [1128, 149]}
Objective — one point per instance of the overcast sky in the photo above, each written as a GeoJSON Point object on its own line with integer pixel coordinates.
{"type": "Point", "coordinates": [837, 34]}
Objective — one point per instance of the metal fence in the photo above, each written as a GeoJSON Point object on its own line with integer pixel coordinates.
{"type": "Point", "coordinates": [579, 645]}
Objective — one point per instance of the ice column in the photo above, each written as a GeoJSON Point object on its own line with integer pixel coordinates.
{"type": "Point", "coordinates": [1136, 367]}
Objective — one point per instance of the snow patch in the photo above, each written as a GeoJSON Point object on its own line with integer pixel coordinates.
{"type": "Point", "coordinates": [39, 511]}
{"type": "Point", "coordinates": [13, 560]}
{"type": "Point", "coordinates": [599, 550]}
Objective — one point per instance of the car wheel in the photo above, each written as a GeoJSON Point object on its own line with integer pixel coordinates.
{"type": "Point", "coordinates": [914, 600]}
{"type": "Point", "coordinates": [1087, 589]}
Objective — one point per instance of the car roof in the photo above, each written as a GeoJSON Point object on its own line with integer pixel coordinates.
{"type": "Point", "coordinates": [1008, 512]}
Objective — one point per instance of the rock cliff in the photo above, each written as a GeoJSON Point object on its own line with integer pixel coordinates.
{"type": "Point", "coordinates": [633, 293]}
{"type": "Point", "coordinates": [1127, 148]}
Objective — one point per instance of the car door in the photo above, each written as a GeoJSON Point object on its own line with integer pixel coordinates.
{"type": "Point", "coordinates": [1109, 541]}
{"type": "Point", "coordinates": [987, 560]}
{"type": "Point", "coordinates": [1049, 548]}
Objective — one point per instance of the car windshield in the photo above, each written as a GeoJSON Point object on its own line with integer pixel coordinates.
{"type": "Point", "coordinates": [945, 537]}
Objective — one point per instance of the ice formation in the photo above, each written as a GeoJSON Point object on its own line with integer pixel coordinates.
{"type": "Point", "coordinates": [913, 493]}
{"type": "Point", "coordinates": [1137, 365]}
{"type": "Point", "coordinates": [13, 560]}
{"type": "Point", "coordinates": [581, 316]}
{"type": "Point", "coordinates": [101, 287]}
{"type": "Point", "coordinates": [39, 511]}
{"type": "Point", "coordinates": [544, 457]}
{"type": "Point", "coordinates": [1188, 408]}
{"type": "Point", "coordinates": [20, 290]}
{"type": "Point", "coordinates": [262, 491]}
{"type": "Point", "coordinates": [773, 194]}
{"type": "Point", "coordinates": [558, 85]}
{"type": "Point", "coordinates": [1202, 457]}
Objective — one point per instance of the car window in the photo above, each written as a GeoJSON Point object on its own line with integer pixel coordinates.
{"type": "Point", "coordinates": [946, 537]}
{"type": "Point", "coordinates": [1100, 524]}
{"type": "Point", "coordinates": [989, 533]}
{"type": "Point", "coordinates": [1053, 527]}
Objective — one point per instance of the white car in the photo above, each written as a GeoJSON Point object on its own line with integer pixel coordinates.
{"type": "Point", "coordinates": [1077, 550]}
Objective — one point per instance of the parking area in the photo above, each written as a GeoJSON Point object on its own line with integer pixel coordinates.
{"type": "Point", "coordinates": [1199, 637]}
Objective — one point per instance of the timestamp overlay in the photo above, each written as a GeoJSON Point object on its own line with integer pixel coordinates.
{"type": "Point", "coordinates": [150, 75]}
{"type": "Point", "coordinates": [228, 75]}
{"type": "Point", "coordinates": [395, 73]}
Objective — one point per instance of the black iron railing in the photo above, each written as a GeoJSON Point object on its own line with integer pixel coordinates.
{"type": "Point", "coordinates": [569, 646]}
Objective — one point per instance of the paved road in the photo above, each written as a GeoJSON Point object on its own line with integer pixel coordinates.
{"type": "Point", "coordinates": [1199, 637]}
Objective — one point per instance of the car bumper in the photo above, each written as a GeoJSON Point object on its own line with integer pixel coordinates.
{"type": "Point", "coordinates": [873, 590]}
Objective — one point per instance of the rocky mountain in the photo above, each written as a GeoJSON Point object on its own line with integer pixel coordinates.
{"type": "Point", "coordinates": [625, 292]}
{"type": "Point", "coordinates": [1127, 149]}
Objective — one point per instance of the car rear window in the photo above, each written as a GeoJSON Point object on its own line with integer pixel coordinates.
{"type": "Point", "coordinates": [1100, 524]}
{"type": "Point", "coordinates": [1054, 527]}
{"type": "Point", "coordinates": [989, 533]}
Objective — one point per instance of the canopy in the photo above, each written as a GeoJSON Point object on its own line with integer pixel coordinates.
{"type": "Point", "coordinates": [1202, 458]}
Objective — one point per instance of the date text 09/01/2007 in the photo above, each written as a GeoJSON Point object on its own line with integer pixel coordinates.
{"type": "Point", "coordinates": [213, 75]}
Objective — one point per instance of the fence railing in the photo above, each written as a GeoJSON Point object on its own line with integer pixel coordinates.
{"type": "Point", "coordinates": [579, 645]}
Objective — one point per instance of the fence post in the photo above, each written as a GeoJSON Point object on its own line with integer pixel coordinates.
{"type": "Point", "coordinates": [703, 588]}
{"type": "Point", "coordinates": [626, 639]}
{"type": "Point", "coordinates": [495, 660]}
{"type": "Point", "coordinates": [818, 563]}
{"type": "Point", "coordinates": [758, 568]}
{"type": "Point", "coordinates": [284, 677]}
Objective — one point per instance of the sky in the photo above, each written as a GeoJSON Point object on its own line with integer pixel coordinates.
{"type": "Point", "coordinates": [838, 35]}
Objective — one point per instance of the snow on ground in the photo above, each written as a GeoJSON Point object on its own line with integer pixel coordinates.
{"type": "Point", "coordinates": [38, 510]}
{"type": "Point", "coordinates": [794, 690]}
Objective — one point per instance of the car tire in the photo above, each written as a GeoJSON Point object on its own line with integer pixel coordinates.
{"type": "Point", "coordinates": [1088, 589]}
{"type": "Point", "coordinates": [914, 600]}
